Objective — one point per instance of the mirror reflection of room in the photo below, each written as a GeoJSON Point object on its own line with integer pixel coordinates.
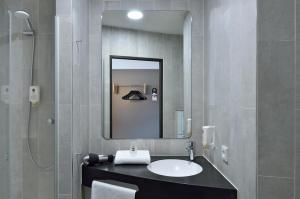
{"type": "Point", "coordinates": [136, 97]}
{"type": "Point", "coordinates": [147, 102]}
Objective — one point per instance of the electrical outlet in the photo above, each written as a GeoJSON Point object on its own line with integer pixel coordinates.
{"type": "Point", "coordinates": [224, 153]}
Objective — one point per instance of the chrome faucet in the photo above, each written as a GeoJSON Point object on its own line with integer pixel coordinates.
{"type": "Point", "coordinates": [190, 149]}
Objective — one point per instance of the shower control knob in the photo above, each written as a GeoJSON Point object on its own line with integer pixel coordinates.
{"type": "Point", "coordinates": [51, 121]}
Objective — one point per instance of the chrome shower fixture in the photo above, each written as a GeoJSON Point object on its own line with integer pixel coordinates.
{"type": "Point", "coordinates": [24, 15]}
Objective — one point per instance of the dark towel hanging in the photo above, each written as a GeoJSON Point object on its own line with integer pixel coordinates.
{"type": "Point", "coordinates": [134, 95]}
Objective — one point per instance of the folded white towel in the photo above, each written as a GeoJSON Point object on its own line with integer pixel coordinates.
{"type": "Point", "coordinates": [132, 157]}
{"type": "Point", "coordinates": [102, 190]}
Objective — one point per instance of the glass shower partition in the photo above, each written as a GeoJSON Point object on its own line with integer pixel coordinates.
{"type": "Point", "coordinates": [4, 101]}
{"type": "Point", "coordinates": [27, 138]}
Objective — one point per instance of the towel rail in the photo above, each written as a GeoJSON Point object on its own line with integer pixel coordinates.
{"type": "Point", "coordinates": [120, 184]}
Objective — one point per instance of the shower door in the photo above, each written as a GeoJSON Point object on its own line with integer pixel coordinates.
{"type": "Point", "coordinates": [4, 103]}
{"type": "Point", "coordinates": [27, 99]}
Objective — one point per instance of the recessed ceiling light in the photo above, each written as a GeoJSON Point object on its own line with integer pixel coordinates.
{"type": "Point", "coordinates": [135, 15]}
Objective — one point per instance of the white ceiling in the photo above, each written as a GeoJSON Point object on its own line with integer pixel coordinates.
{"type": "Point", "coordinates": [168, 22]}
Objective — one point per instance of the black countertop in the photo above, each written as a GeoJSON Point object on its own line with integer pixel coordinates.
{"type": "Point", "coordinates": [210, 183]}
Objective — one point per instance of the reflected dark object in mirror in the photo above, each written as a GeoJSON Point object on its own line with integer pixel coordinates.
{"type": "Point", "coordinates": [134, 95]}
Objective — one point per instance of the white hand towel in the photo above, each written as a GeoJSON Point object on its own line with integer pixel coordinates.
{"type": "Point", "coordinates": [102, 190]}
{"type": "Point", "coordinates": [132, 157]}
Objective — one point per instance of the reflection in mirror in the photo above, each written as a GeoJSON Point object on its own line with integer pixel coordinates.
{"type": "Point", "coordinates": [135, 112]}
{"type": "Point", "coordinates": [146, 74]}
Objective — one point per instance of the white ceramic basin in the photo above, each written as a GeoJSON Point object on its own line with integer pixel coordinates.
{"type": "Point", "coordinates": [174, 168]}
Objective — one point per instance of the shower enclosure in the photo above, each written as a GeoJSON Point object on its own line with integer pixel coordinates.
{"type": "Point", "coordinates": [27, 99]}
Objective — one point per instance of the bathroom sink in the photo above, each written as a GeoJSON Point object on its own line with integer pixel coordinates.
{"type": "Point", "coordinates": [174, 168]}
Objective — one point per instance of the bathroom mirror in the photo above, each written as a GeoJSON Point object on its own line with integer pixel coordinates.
{"type": "Point", "coordinates": [146, 74]}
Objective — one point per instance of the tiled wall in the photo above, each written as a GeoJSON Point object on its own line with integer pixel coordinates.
{"type": "Point", "coordinates": [80, 89]}
{"type": "Point", "coordinates": [297, 130]}
{"type": "Point", "coordinates": [230, 68]}
{"type": "Point", "coordinates": [63, 101]}
{"type": "Point", "coordinates": [278, 127]}
{"type": "Point", "coordinates": [278, 110]}
{"type": "Point", "coordinates": [72, 84]}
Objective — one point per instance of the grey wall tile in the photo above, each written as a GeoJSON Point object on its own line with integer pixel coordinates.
{"type": "Point", "coordinates": [297, 16]}
{"type": "Point", "coordinates": [297, 163]}
{"type": "Point", "coordinates": [230, 85]}
{"type": "Point", "coordinates": [65, 196]}
{"type": "Point", "coordinates": [297, 135]}
{"type": "Point", "coordinates": [112, 5]}
{"type": "Point", "coordinates": [45, 135]}
{"type": "Point", "coordinates": [179, 4]}
{"type": "Point", "coordinates": [275, 188]}
{"type": "Point", "coordinates": [80, 78]}
{"type": "Point", "coordinates": [129, 4]}
{"type": "Point", "coordinates": [109, 146]}
{"type": "Point", "coordinates": [245, 121]}
{"type": "Point", "coordinates": [95, 76]}
{"type": "Point", "coordinates": [63, 7]}
{"type": "Point", "coordinates": [95, 127]}
{"type": "Point", "coordinates": [46, 16]}
{"type": "Point", "coordinates": [80, 84]}
{"type": "Point", "coordinates": [196, 7]}
{"type": "Point", "coordinates": [297, 176]}
{"type": "Point", "coordinates": [96, 8]}
{"type": "Point", "coordinates": [46, 184]}
{"type": "Point", "coordinates": [276, 105]}
{"type": "Point", "coordinates": [298, 67]}
{"type": "Point", "coordinates": [65, 29]}
{"type": "Point", "coordinates": [45, 68]}
{"type": "Point", "coordinates": [65, 61]}
{"type": "Point", "coordinates": [171, 147]}
{"type": "Point", "coordinates": [48, 8]}
{"type": "Point", "coordinates": [65, 69]}
{"type": "Point", "coordinates": [162, 4]}
{"type": "Point", "coordinates": [297, 169]}
{"type": "Point", "coordinates": [276, 101]}
{"type": "Point", "coordinates": [276, 142]}
{"type": "Point", "coordinates": [146, 4]}
{"type": "Point", "coordinates": [276, 20]}
{"type": "Point", "coordinates": [32, 7]}
{"type": "Point", "coordinates": [30, 175]}
{"type": "Point", "coordinates": [65, 150]}
{"type": "Point", "coordinates": [4, 178]}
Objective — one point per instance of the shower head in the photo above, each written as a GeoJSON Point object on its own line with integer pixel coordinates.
{"type": "Point", "coordinates": [22, 14]}
{"type": "Point", "coordinates": [25, 16]}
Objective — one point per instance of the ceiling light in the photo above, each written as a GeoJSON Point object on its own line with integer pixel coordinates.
{"type": "Point", "coordinates": [135, 15]}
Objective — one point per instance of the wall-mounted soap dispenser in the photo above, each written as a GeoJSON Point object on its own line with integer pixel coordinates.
{"type": "Point", "coordinates": [208, 137]}
{"type": "Point", "coordinates": [34, 95]}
